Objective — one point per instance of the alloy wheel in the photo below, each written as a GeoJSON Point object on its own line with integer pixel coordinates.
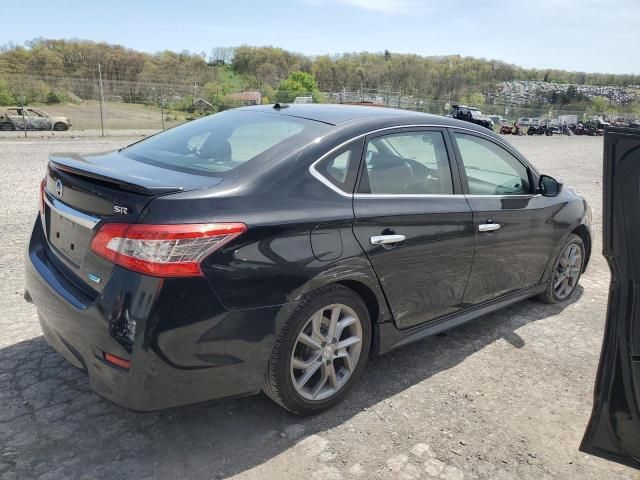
{"type": "Point", "coordinates": [568, 270]}
{"type": "Point", "coordinates": [326, 352]}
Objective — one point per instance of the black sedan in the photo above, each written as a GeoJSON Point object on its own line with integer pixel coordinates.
{"type": "Point", "coordinates": [275, 248]}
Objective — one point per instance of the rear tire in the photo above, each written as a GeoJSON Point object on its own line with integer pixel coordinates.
{"type": "Point", "coordinates": [309, 371]}
{"type": "Point", "coordinates": [565, 271]}
{"type": "Point", "coordinates": [7, 127]}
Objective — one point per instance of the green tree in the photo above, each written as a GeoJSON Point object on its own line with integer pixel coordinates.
{"type": "Point", "coordinates": [472, 99]}
{"type": "Point", "coordinates": [599, 105]}
{"type": "Point", "coordinates": [6, 98]}
{"type": "Point", "coordinates": [299, 84]}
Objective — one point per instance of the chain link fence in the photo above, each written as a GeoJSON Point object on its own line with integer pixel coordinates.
{"type": "Point", "coordinates": [109, 107]}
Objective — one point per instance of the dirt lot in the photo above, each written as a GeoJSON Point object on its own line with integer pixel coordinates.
{"type": "Point", "coordinates": [506, 396]}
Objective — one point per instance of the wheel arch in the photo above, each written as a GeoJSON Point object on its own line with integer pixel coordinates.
{"type": "Point", "coordinates": [585, 235]}
{"type": "Point", "coordinates": [375, 303]}
{"type": "Point", "coordinates": [367, 295]}
{"type": "Point", "coordinates": [376, 311]}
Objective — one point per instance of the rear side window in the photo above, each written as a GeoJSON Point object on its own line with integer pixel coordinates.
{"type": "Point", "coordinates": [490, 169]}
{"type": "Point", "coordinates": [223, 142]}
{"type": "Point", "coordinates": [341, 167]}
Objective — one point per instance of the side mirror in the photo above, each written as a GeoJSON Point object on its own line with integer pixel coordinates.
{"type": "Point", "coordinates": [549, 186]}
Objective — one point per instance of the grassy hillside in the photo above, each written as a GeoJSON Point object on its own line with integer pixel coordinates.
{"type": "Point", "coordinates": [56, 71]}
{"type": "Point", "coordinates": [86, 115]}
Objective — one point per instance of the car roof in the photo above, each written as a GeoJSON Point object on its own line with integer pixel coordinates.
{"type": "Point", "coordinates": [333, 114]}
{"type": "Point", "coordinates": [337, 114]}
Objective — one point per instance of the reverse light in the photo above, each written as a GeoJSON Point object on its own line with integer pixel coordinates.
{"type": "Point", "coordinates": [163, 250]}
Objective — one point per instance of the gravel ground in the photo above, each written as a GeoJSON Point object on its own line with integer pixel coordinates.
{"type": "Point", "coordinates": [506, 396]}
{"type": "Point", "coordinates": [93, 134]}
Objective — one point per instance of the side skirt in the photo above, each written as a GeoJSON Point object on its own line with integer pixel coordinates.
{"type": "Point", "coordinates": [389, 337]}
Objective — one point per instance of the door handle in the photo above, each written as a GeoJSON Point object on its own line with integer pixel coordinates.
{"type": "Point", "coordinates": [488, 227]}
{"type": "Point", "coordinates": [386, 239]}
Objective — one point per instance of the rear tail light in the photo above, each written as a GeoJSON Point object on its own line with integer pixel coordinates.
{"type": "Point", "coordinates": [163, 250]}
{"type": "Point", "coordinates": [43, 185]}
{"type": "Point", "coordinates": [117, 361]}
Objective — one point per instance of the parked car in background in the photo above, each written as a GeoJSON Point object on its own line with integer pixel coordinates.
{"type": "Point", "coordinates": [15, 118]}
{"type": "Point", "coordinates": [6, 122]}
{"type": "Point", "coordinates": [567, 119]}
{"type": "Point", "coordinates": [275, 247]}
{"type": "Point", "coordinates": [470, 114]}
{"type": "Point", "coordinates": [598, 124]}
{"type": "Point", "coordinates": [496, 119]}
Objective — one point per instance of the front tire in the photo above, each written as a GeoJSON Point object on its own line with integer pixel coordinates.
{"type": "Point", "coordinates": [320, 352]}
{"type": "Point", "coordinates": [60, 127]}
{"type": "Point", "coordinates": [566, 270]}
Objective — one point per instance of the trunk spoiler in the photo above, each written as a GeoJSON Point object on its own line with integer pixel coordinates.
{"type": "Point", "coordinates": [129, 181]}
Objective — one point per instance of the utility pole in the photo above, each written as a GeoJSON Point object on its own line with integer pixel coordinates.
{"type": "Point", "coordinates": [101, 100]}
{"type": "Point", "coordinates": [162, 106]}
{"type": "Point", "coordinates": [24, 121]}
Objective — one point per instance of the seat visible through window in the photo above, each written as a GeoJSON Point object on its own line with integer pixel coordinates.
{"type": "Point", "coordinates": [408, 163]}
{"type": "Point", "coordinates": [388, 174]}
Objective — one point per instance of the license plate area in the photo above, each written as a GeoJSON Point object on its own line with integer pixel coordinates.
{"type": "Point", "coordinates": [68, 237]}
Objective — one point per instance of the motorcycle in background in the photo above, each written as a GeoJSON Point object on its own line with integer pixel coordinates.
{"type": "Point", "coordinates": [511, 129]}
{"type": "Point", "coordinates": [558, 130]}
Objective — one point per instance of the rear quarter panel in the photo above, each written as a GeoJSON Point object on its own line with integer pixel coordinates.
{"type": "Point", "coordinates": [273, 263]}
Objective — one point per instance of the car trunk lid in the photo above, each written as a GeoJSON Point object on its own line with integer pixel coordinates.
{"type": "Point", "coordinates": [82, 192]}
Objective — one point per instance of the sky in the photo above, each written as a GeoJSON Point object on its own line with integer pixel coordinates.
{"type": "Point", "coordinates": [585, 35]}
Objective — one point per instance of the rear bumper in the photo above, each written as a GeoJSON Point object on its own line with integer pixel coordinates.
{"type": "Point", "coordinates": [183, 345]}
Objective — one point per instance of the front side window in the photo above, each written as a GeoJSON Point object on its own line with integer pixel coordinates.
{"type": "Point", "coordinates": [407, 163]}
{"type": "Point", "coordinates": [490, 169]}
{"type": "Point", "coordinates": [223, 142]}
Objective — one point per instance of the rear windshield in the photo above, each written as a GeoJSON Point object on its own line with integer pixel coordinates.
{"type": "Point", "coordinates": [223, 142]}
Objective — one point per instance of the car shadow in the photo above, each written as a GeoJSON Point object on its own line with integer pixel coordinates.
{"type": "Point", "coordinates": [51, 422]}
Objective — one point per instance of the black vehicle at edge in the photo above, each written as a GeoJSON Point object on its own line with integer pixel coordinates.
{"type": "Point", "coordinates": [613, 431]}
{"type": "Point", "coordinates": [470, 114]}
{"type": "Point", "coordinates": [273, 248]}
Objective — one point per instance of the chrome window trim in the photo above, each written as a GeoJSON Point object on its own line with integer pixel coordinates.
{"type": "Point", "coordinates": [408, 195]}
{"type": "Point", "coordinates": [69, 213]}
{"type": "Point", "coordinates": [518, 195]}
{"type": "Point", "coordinates": [319, 176]}
{"type": "Point", "coordinates": [441, 195]}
